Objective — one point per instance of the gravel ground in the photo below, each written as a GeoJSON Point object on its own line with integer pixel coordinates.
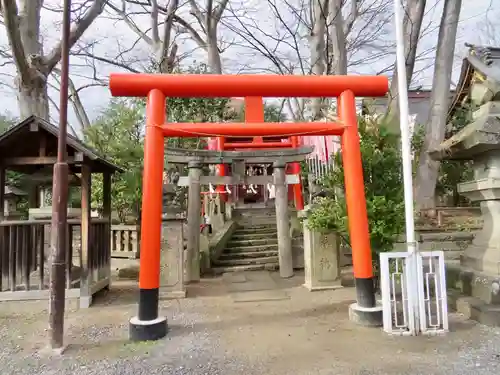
{"type": "Point", "coordinates": [211, 334]}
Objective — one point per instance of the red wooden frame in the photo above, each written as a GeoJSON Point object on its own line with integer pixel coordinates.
{"type": "Point", "coordinates": [253, 87]}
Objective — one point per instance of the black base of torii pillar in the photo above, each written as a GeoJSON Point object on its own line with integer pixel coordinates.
{"type": "Point", "coordinates": [147, 330]}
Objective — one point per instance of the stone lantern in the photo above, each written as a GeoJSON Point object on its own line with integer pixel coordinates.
{"type": "Point", "coordinates": [477, 277]}
{"type": "Point", "coordinates": [41, 184]}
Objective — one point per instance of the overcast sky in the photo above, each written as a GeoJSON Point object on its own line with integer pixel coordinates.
{"type": "Point", "coordinates": [113, 36]}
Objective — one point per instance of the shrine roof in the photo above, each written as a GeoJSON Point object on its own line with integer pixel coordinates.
{"type": "Point", "coordinates": [33, 143]}
{"type": "Point", "coordinates": [484, 60]}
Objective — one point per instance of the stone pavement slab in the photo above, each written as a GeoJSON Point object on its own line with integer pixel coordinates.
{"type": "Point", "coordinates": [234, 277]}
{"type": "Point", "coordinates": [260, 295]}
{"type": "Point", "coordinates": [252, 287]}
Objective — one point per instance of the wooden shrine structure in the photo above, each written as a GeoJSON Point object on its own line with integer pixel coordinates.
{"type": "Point", "coordinates": [30, 148]}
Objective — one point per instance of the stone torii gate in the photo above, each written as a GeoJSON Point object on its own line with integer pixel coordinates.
{"type": "Point", "coordinates": [196, 159]}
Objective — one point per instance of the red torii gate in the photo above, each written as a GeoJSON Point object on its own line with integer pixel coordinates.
{"type": "Point", "coordinates": [147, 325]}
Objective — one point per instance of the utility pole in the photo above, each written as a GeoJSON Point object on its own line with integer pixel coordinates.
{"type": "Point", "coordinates": [60, 202]}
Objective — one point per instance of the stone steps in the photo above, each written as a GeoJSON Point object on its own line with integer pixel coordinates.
{"type": "Point", "coordinates": [257, 223]}
{"type": "Point", "coordinates": [243, 226]}
{"type": "Point", "coordinates": [257, 241]}
{"type": "Point", "coordinates": [254, 244]}
{"type": "Point", "coordinates": [254, 267]}
{"type": "Point", "coordinates": [253, 236]}
{"type": "Point", "coordinates": [252, 248]}
{"type": "Point", "coordinates": [249, 254]}
{"type": "Point", "coordinates": [255, 217]}
{"type": "Point", "coordinates": [257, 230]}
{"type": "Point", "coordinates": [247, 261]}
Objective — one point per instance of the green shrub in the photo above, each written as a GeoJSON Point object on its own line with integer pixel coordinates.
{"type": "Point", "coordinates": [384, 193]}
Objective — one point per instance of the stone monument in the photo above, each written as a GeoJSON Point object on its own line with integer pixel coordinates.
{"type": "Point", "coordinates": [172, 256]}
{"type": "Point", "coordinates": [41, 181]}
{"type": "Point", "coordinates": [172, 259]}
{"type": "Point", "coordinates": [321, 258]}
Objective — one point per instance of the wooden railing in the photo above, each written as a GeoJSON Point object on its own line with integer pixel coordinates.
{"type": "Point", "coordinates": [24, 253]}
{"type": "Point", "coordinates": [125, 241]}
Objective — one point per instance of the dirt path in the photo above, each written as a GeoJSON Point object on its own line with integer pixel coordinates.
{"type": "Point", "coordinates": [308, 333]}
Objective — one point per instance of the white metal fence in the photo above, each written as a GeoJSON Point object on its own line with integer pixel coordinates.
{"type": "Point", "coordinates": [414, 298]}
{"type": "Point", "coordinates": [318, 168]}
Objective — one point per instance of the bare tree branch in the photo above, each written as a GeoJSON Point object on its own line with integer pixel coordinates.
{"type": "Point", "coordinates": [194, 34]}
{"type": "Point", "coordinates": [77, 31]}
{"type": "Point", "coordinates": [154, 22]}
{"type": "Point", "coordinates": [56, 106]}
{"type": "Point", "coordinates": [208, 21]}
{"type": "Point", "coordinates": [76, 102]}
{"type": "Point", "coordinates": [12, 26]}
{"type": "Point", "coordinates": [107, 61]}
{"type": "Point", "coordinates": [131, 24]}
{"type": "Point", "coordinates": [166, 59]}
{"type": "Point", "coordinates": [351, 18]}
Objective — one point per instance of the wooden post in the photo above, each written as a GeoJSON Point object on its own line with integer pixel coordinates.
{"type": "Point", "coordinates": [85, 235]}
{"type": "Point", "coordinates": [2, 193]}
{"type": "Point", "coordinates": [106, 214]}
{"type": "Point", "coordinates": [57, 291]}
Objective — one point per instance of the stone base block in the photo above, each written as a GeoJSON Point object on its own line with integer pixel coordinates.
{"type": "Point", "coordinates": [472, 283]}
{"type": "Point", "coordinates": [172, 294]}
{"type": "Point", "coordinates": [480, 258]}
{"type": "Point", "coordinates": [85, 302]}
{"type": "Point", "coordinates": [474, 294]}
{"type": "Point", "coordinates": [147, 330]}
{"type": "Point", "coordinates": [366, 316]}
{"type": "Point", "coordinates": [475, 309]}
{"type": "Point", "coordinates": [323, 286]}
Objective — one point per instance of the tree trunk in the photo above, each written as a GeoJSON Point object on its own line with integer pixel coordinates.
{"type": "Point", "coordinates": [317, 43]}
{"type": "Point", "coordinates": [414, 16]}
{"type": "Point", "coordinates": [214, 59]}
{"type": "Point", "coordinates": [33, 98]}
{"type": "Point", "coordinates": [21, 20]}
{"type": "Point", "coordinates": [32, 91]}
{"type": "Point", "coordinates": [337, 46]}
{"type": "Point", "coordinates": [428, 169]}
{"type": "Point", "coordinates": [208, 19]}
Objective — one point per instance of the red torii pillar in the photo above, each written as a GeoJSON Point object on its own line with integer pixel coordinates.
{"type": "Point", "coordinates": [147, 325]}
